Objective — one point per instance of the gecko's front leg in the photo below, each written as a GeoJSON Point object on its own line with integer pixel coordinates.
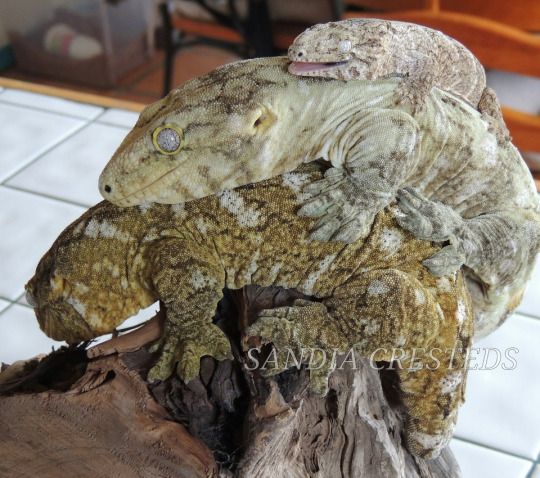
{"type": "Point", "coordinates": [189, 282]}
{"type": "Point", "coordinates": [372, 154]}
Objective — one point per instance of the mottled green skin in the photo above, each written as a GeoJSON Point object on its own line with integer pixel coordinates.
{"type": "Point", "coordinates": [373, 294]}
{"type": "Point", "coordinates": [251, 120]}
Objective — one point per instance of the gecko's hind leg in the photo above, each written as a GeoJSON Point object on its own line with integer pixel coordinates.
{"type": "Point", "coordinates": [393, 317]}
{"type": "Point", "coordinates": [296, 333]}
{"type": "Point", "coordinates": [498, 248]}
{"type": "Point", "coordinates": [376, 313]}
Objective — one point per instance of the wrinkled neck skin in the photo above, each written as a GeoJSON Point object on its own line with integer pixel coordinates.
{"type": "Point", "coordinates": [317, 120]}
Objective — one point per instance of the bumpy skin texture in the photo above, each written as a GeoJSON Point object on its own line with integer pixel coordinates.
{"type": "Point", "coordinates": [369, 49]}
{"type": "Point", "coordinates": [373, 294]}
{"type": "Point", "coordinates": [251, 120]}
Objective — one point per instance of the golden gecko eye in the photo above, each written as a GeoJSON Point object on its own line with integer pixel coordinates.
{"type": "Point", "coordinates": [168, 139]}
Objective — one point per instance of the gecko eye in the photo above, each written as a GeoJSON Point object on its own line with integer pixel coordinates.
{"type": "Point", "coordinates": [168, 139]}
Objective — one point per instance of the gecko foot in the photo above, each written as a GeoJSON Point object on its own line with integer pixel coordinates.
{"type": "Point", "coordinates": [445, 262]}
{"type": "Point", "coordinates": [299, 334]}
{"type": "Point", "coordinates": [432, 221]}
{"type": "Point", "coordinates": [337, 202]}
{"type": "Point", "coordinates": [186, 353]}
{"type": "Point", "coordinates": [426, 219]}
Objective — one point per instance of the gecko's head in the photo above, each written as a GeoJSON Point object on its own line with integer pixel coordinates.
{"type": "Point", "coordinates": [335, 50]}
{"type": "Point", "coordinates": [58, 316]}
{"type": "Point", "coordinates": [77, 292]}
{"type": "Point", "coordinates": [216, 132]}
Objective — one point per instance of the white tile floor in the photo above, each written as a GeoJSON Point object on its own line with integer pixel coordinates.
{"type": "Point", "coordinates": [53, 151]}
{"type": "Point", "coordinates": [3, 303]}
{"type": "Point", "coordinates": [80, 159]}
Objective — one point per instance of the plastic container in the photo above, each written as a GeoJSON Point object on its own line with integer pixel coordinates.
{"type": "Point", "coordinates": [93, 42]}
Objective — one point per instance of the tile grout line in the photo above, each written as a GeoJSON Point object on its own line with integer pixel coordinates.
{"type": "Point", "coordinates": [525, 314]}
{"type": "Point", "coordinates": [9, 306]}
{"type": "Point", "coordinates": [531, 471]}
{"type": "Point", "coordinates": [115, 125]}
{"type": "Point", "coordinates": [51, 111]}
{"type": "Point", "coordinates": [90, 120]}
{"type": "Point", "coordinates": [495, 449]}
{"type": "Point", "coordinates": [45, 195]}
{"type": "Point", "coordinates": [14, 302]}
{"type": "Point", "coordinates": [22, 304]}
{"type": "Point", "coordinates": [47, 150]}
{"type": "Point", "coordinates": [40, 155]}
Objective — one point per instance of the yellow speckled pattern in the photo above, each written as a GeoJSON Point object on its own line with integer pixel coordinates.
{"type": "Point", "coordinates": [373, 294]}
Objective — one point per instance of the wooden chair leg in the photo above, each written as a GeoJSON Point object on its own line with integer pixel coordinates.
{"type": "Point", "coordinates": [169, 46]}
{"type": "Point", "coordinates": [259, 29]}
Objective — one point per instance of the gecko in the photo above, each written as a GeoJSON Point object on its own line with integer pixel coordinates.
{"type": "Point", "coordinates": [370, 49]}
{"type": "Point", "coordinates": [373, 295]}
{"type": "Point", "coordinates": [251, 120]}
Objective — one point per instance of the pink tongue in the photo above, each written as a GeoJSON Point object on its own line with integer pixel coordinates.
{"type": "Point", "coordinates": [299, 67]}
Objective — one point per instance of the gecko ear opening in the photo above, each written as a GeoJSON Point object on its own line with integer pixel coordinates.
{"type": "Point", "coordinates": [264, 120]}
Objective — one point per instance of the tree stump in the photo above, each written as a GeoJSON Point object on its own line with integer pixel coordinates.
{"type": "Point", "coordinates": [90, 413]}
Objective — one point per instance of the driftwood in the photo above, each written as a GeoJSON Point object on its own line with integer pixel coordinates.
{"type": "Point", "coordinates": [90, 413]}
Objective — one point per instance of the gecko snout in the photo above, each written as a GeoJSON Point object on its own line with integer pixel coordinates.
{"type": "Point", "coordinates": [296, 54]}
{"type": "Point", "coordinates": [30, 298]}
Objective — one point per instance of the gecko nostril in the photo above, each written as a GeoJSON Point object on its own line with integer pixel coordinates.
{"type": "Point", "coordinates": [107, 188]}
{"type": "Point", "coordinates": [300, 53]}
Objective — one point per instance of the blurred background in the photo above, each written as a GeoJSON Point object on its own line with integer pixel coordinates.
{"type": "Point", "coordinates": [137, 50]}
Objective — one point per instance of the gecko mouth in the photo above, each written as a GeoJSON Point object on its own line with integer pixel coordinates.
{"type": "Point", "coordinates": [131, 198]}
{"type": "Point", "coordinates": [306, 68]}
